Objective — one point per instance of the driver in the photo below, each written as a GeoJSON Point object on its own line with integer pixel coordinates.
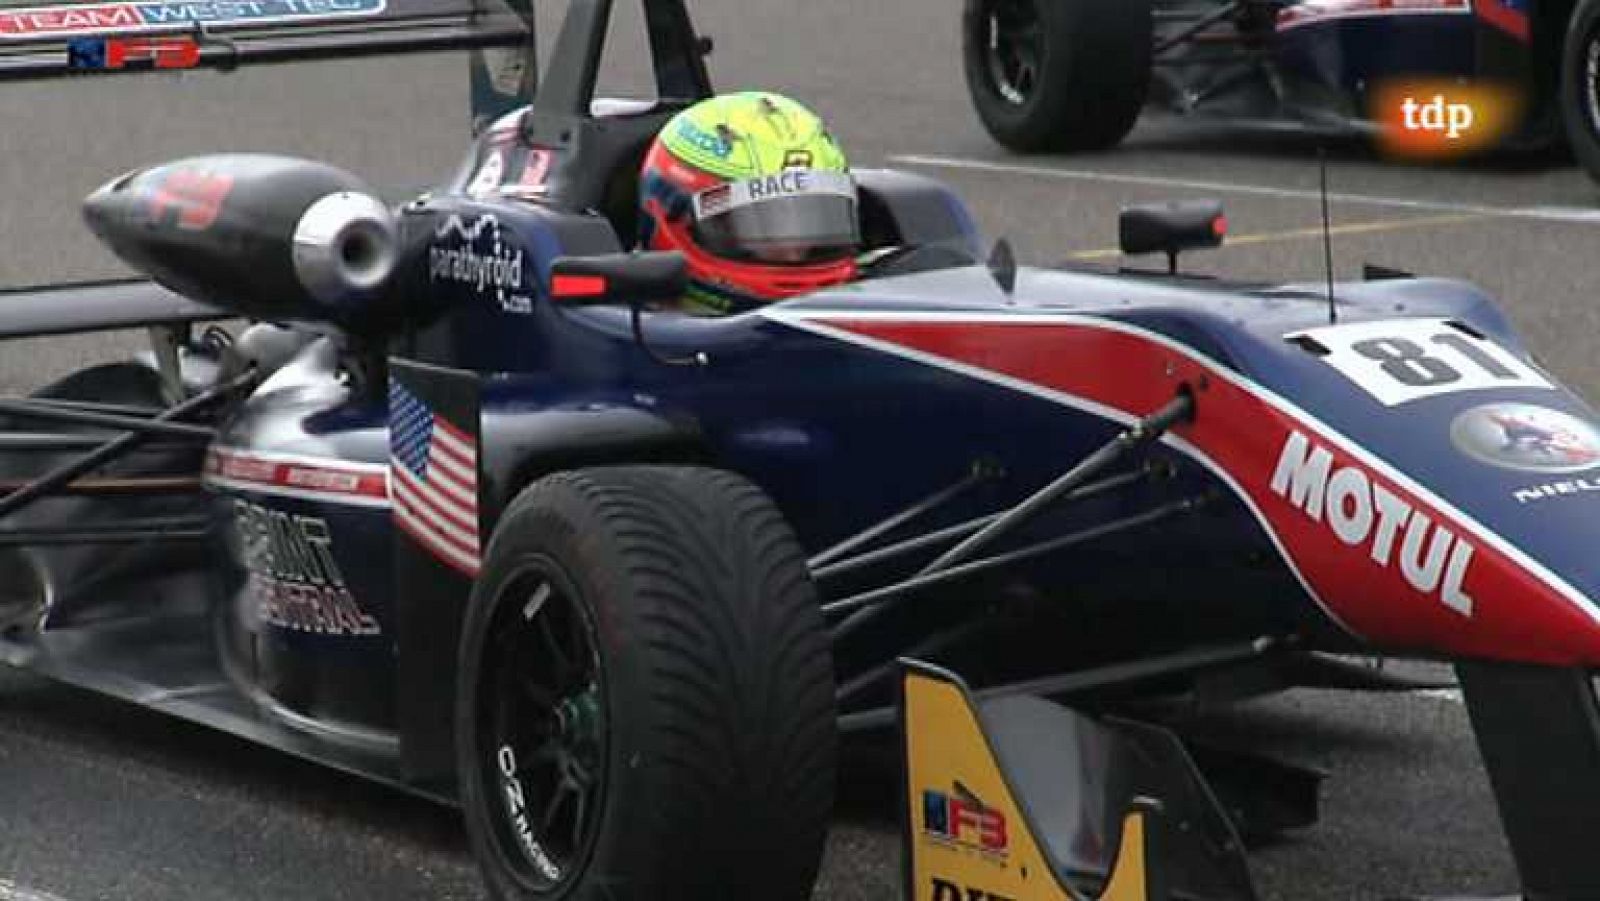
{"type": "Point", "coordinates": [753, 189]}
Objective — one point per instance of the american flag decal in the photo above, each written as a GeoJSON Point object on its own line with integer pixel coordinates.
{"type": "Point", "coordinates": [433, 481]}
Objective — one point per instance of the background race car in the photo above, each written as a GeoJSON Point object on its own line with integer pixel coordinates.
{"type": "Point", "coordinates": [1440, 77]}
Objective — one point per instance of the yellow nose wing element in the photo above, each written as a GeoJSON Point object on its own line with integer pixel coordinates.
{"type": "Point", "coordinates": [968, 836]}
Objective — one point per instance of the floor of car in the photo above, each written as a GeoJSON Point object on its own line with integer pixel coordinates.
{"type": "Point", "coordinates": [167, 665]}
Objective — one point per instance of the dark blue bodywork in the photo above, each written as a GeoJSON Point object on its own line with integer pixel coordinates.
{"type": "Point", "coordinates": [843, 435]}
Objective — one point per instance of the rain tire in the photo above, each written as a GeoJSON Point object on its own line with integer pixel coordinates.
{"type": "Point", "coordinates": [1580, 85]}
{"type": "Point", "coordinates": [716, 687]}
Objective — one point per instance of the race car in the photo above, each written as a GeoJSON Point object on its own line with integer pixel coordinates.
{"type": "Point", "coordinates": [1443, 77]}
{"type": "Point", "coordinates": [463, 507]}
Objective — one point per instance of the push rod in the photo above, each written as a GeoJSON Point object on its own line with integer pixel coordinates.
{"type": "Point", "coordinates": [27, 409]}
{"type": "Point", "coordinates": [939, 498]}
{"type": "Point", "coordinates": [878, 596]}
{"type": "Point", "coordinates": [959, 530]}
{"type": "Point", "coordinates": [1111, 676]}
{"type": "Point", "coordinates": [130, 531]}
{"type": "Point", "coordinates": [97, 406]}
{"type": "Point", "coordinates": [1139, 670]}
{"type": "Point", "coordinates": [125, 485]}
{"type": "Point", "coordinates": [50, 442]}
{"type": "Point", "coordinates": [1201, 24]}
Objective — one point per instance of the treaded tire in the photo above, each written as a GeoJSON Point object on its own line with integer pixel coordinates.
{"type": "Point", "coordinates": [1092, 73]}
{"type": "Point", "coordinates": [1580, 85]}
{"type": "Point", "coordinates": [715, 680]}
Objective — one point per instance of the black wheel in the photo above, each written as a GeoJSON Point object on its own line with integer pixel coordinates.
{"type": "Point", "coordinates": [1057, 74]}
{"type": "Point", "coordinates": [646, 703]}
{"type": "Point", "coordinates": [1580, 85]}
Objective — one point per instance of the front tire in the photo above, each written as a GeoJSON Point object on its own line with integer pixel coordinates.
{"type": "Point", "coordinates": [1054, 75]}
{"type": "Point", "coordinates": [1580, 85]}
{"type": "Point", "coordinates": [646, 708]}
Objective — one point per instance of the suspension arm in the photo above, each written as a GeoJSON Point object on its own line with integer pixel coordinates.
{"type": "Point", "coordinates": [116, 447]}
{"type": "Point", "coordinates": [28, 409]}
{"type": "Point", "coordinates": [961, 530]}
{"type": "Point", "coordinates": [878, 599]}
{"type": "Point", "coordinates": [1152, 427]}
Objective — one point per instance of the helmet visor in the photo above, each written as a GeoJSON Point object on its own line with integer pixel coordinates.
{"type": "Point", "coordinates": [797, 216]}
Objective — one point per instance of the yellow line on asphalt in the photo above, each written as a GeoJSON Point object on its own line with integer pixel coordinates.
{"type": "Point", "coordinates": [1299, 234]}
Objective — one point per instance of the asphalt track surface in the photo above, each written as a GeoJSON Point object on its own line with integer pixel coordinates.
{"type": "Point", "coordinates": [100, 801]}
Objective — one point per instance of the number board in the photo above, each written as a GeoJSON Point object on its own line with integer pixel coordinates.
{"type": "Point", "coordinates": [1402, 360]}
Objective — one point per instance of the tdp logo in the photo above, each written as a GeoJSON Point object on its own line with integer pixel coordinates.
{"type": "Point", "coordinates": [1452, 119]}
{"type": "Point", "coordinates": [1440, 117]}
{"type": "Point", "coordinates": [964, 819]}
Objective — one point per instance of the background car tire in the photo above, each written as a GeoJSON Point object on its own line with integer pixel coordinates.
{"type": "Point", "coordinates": [1090, 70]}
{"type": "Point", "coordinates": [713, 691]}
{"type": "Point", "coordinates": [1580, 85]}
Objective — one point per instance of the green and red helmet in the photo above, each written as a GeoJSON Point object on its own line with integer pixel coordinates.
{"type": "Point", "coordinates": [753, 189]}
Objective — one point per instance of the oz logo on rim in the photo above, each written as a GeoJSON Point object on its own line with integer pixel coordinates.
{"type": "Point", "coordinates": [1526, 437]}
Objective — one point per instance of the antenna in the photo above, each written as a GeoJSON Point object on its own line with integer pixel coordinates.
{"type": "Point", "coordinates": [1327, 234]}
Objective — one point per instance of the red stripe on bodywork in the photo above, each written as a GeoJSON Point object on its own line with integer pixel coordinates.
{"type": "Point", "coordinates": [1511, 21]}
{"type": "Point", "coordinates": [314, 477]}
{"type": "Point", "coordinates": [1514, 612]}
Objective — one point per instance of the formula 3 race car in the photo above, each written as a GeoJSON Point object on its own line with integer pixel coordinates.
{"type": "Point", "coordinates": [1076, 74]}
{"type": "Point", "coordinates": [461, 510]}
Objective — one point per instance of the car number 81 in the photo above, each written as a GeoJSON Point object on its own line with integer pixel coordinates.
{"type": "Point", "coordinates": [1401, 360]}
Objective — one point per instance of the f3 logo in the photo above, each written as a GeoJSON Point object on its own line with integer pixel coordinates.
{"type": "Point", "coordinates": [125, 53]}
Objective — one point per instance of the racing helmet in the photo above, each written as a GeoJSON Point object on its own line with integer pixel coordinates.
{"type": "Point", "coordinates": [755, 192]}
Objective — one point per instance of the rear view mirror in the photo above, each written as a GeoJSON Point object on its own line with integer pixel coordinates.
{"type": "Point", "coordinates": [1171, 228]}
{"type": "Point", "coordinates": [618, 278]}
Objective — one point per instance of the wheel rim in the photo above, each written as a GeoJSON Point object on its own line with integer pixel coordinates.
{"type": "Point", "coordinates": [542, 731]}
{"type": "Point", "coordinates": [1013, 48]}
